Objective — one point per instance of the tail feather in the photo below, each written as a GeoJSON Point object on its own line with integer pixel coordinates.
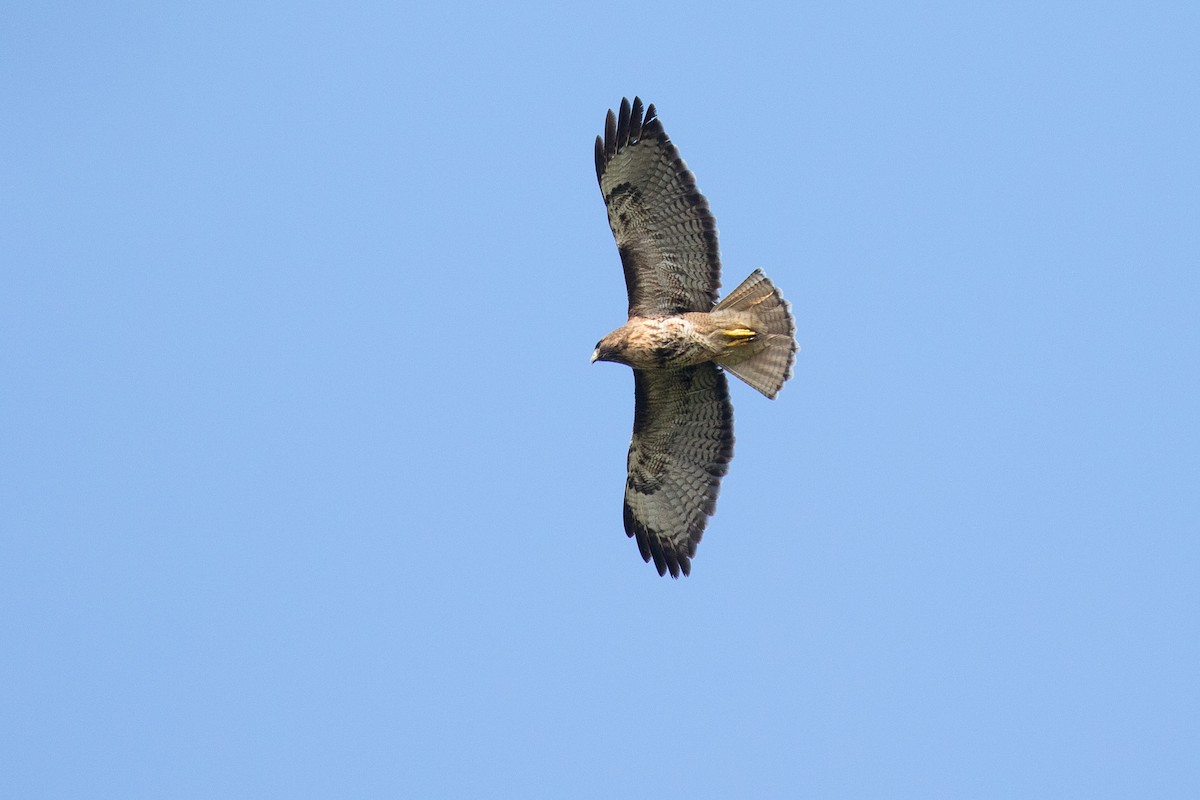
{"type": "Point", "coordinates": [766, 362]}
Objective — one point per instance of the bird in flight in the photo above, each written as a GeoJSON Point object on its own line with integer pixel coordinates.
{"type": "Point", "coordinates": [679, 340]}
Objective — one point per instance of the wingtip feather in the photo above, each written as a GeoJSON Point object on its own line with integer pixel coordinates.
{"type": "Point", "coordinates": [623, 127]}
{"type": "Point", "coordinates": [610, 134]}
{"type": "Point", "coordinates": [635, 120]}
{"type": "Point", "coordinates": [623, 124]}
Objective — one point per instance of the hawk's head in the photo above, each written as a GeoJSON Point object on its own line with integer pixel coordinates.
{"type": "Point", "coordinates": [611, 348]}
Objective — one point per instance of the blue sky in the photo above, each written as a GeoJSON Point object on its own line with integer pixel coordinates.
{"type": "Point", "coordinates": [307, 487]}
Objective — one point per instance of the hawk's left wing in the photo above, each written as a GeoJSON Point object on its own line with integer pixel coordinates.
{"type": "Point", "coordinates": [681, 447]}
{"type": "Point", "coordinates": [665, 233]}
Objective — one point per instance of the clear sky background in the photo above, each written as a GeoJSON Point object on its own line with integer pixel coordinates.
{"type": "Point", "coordinates": [307, 487]}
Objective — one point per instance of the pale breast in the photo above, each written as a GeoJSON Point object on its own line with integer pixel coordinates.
{"type": "Point", "coordinates": [662, 343]}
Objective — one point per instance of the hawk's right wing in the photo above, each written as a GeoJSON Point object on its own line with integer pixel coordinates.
{"type": "Point", "coordinates": [681, 447]}
{"type": "Point", "coordinates": [665, 233]}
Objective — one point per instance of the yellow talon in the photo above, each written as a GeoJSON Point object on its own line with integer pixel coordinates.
{"type": "Point", "coordinates": [740, 336]}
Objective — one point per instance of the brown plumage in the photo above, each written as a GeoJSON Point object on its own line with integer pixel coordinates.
{"type": "Point", "coordinates": [679, 340]}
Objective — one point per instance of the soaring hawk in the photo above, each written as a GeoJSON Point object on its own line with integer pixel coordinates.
{"type": "Point", "coordinates": [679, 340]}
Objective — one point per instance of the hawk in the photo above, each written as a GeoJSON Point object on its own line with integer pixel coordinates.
{"type": "Point", "coordinates": [679, 340]}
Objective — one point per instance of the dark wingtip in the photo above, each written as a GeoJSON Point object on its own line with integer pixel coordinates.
{"type": "Point", "coordinates": [623, 123]}
{"type": "Point", "coordinates": [651, 548]}
{"type": "Point", "coordinates": [610, 134]}
{"type": "Point", "coordinates": [623, 127]}
{"type": "Point", "coordinates": [660, 557]}
{"type": "Point", "coordinates": [635, 120]}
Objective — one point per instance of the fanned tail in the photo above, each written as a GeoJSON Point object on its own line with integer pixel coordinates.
{"type": "Point", "coordinates": [766, 362]}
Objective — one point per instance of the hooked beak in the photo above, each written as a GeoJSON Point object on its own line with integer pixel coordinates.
{"type": "Point", "coordinates": [595, 355]}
